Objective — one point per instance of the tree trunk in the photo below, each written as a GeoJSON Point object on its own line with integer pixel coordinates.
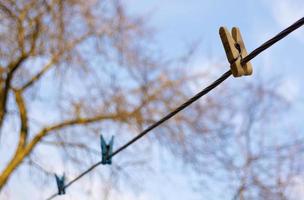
{"type": "Point", "coordinates": [13, 164]}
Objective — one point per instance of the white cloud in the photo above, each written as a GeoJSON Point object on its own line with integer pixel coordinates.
{"type": "Point", "coordinates": [289, 89]}
{"type": "Point", "coordinates": [287, 12]}
{"type": "Point", "coordinates": [297, 189]}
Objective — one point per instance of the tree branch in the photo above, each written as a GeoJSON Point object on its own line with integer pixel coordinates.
{"type": "Point", "coordinates": [13, 66]}
{"type": "Point", "coordinates": [53, 60]}
{"type": "Point", "coordinates": [21, 154]}
{"type": "Point", "coordinates": [78, 121]}
{"type": "Point", "coordinates": [44, 69]}
{"type": "Point", "coordinates": [23, 119]}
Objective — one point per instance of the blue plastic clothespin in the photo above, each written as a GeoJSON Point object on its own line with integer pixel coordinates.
{"type": "Point", "coordinates": [106, 150]}
{"type": "Point", "coordinates": [60, 184]}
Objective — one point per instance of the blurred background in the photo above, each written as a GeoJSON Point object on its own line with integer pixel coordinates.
{"type": "Point", "coordinates": [72, 70]}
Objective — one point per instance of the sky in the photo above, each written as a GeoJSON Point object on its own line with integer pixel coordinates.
{"type": "Point", "coordinates": [179, 23]}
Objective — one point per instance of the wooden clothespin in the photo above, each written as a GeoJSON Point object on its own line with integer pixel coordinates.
{"type": "Point", "coordinates": [60, 184]}
{"type": "Point", "coordinates": [106, 150]}
{"type": "Point", "coordinates": [235, 51]}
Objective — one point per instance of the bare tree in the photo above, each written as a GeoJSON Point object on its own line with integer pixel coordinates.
{"type": "Point", "coordinates": [71, 69]}
{"type": "Point", "coordinates": [254, 154]}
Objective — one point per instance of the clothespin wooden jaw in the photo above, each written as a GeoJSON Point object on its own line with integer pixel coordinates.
{"type": "Point", "coordinates": [106, 150]}
{"type": "Point", "coordinates": [60, 184]}
{"type": "Point", "coordinates": [235, 51]}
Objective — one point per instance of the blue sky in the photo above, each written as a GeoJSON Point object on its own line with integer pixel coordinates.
{"type": "Point", "coordinates": [178, 23]}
